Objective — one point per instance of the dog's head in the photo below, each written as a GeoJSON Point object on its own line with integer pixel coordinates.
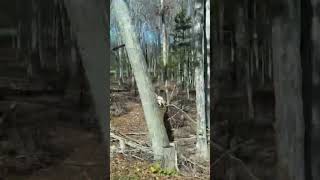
{"type": "Point", "coordinates": [161, 102]}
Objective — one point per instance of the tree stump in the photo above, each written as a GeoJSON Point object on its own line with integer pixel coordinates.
{"type": "Point", "coordinates": [170, 160]}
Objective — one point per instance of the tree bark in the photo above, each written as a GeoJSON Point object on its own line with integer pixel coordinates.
{"type": "Point", "coordinates": [165, 48]}
{"type": "Point", "coordinates": [287, 85]}
{"type": "Point", "coordinates": [157, 131]}
{"type": "Point", "coordinates": [89, 22]}
{"type": "Point", "coordinates": [207, 54]}
{"type": "Point", "coordinates": [315, 122]}
{"type": "Point", "coordinates": [202, 141]}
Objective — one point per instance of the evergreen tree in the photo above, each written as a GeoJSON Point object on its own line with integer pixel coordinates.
{"type": "Point", "coordinates": [181, 47]}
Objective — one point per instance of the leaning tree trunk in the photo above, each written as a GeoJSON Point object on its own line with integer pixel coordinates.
{"type": "Point", "coordinates": [89, 22]}
{"type": "Point", "coordinates": [287, 85]}
{"type": "Point", "coordinates": [153, 116]}
{"type": "Point", "coordinates": [202, 141]}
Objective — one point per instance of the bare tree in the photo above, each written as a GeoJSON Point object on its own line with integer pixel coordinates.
{"type": "Point", "coordinates": [202, 142]}
{"type": "Point", "coordinates": [153, 116]}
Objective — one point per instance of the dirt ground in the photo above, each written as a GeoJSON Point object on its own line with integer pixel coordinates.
{"type": "Point", "coordinates": [137, 165]}
{"type": "Point", "coordinates": [72, 150]}
{"type": "Point", "coordinates": [83, 162]}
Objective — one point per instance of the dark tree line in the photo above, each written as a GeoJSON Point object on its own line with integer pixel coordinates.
{"type": "Point", "coordinates": [273, 45]}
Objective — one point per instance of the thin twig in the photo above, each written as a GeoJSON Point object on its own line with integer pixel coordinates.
{"type": "Point", "coordinates": [194, 163]}
{"type": "Point", "coordinates": [132, 144]}
{"type": "Point", "coordinates": [191, 177]}
{"type": "Point", "coordinates": [136, 134]}
{"type": "Point", "coordinates": [170, 97]}
{"type": "Point", "coordinates": [245, 167]}
{"type": "Point", "coordinates": [183, 112]}
{"type": "Point", "coordinates": [173, 115]}
{"type": "Point", "coordinates": [231, 151]}
{"type": "Point", "coordinates": [137, 157]}
{"type": "Point", "coordinates": [186, 139]}
{"type": "Point", "coordinates": [235, 158]}
{"type": "Point", "coordinates": [128, 137]}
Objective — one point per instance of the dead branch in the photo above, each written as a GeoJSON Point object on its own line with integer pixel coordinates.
{"type": "Point", "coordinates": [194, 163]}
{"type": "Point", "coordinates": [118, 90]}
{"type": "Point", "coordinates": [250, 173]}
{"type": "Point", "coordinates": [137, 157]}
{"type": "Point", "coordinates": [118, 47]}
{"type": "Point", "coordinates": [191, 177]}
{"type": "Point", "coordinates": [192, 120]}
{"type": "Point", "coordinates": [139, 134]}
{"type": "Point", "coordinates": [229, 153]}
{"type": "Point", "coordinates": [172, 117]}
{"type": "Point", "coordinates": [187, 139]}
{"type": "Point", "coordinates": [170, 97]}
{"type": "Point", "coordinates": [127, 137]}
{"type": "Point", "coordinates": [132, 144]}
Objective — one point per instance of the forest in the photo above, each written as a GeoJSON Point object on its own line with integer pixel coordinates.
{"type": "Point", "coordinates": [48, 124]}
{"type": "Point", "coordinates": [264, 80]}
{"type": "Point", "coordinates": [161, 89]}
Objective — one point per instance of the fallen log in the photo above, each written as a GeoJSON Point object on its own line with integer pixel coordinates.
{"type": "Point", "coordinates": [169, 160]}
{"type": "Point", "coordinates": [131, 143]}
{"type": "Point", "coordinates": [119, 90]}
{"type": "Point", "coordinates": [127, 137]}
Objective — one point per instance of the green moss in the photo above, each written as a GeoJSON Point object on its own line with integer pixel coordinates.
{"type": "Point", "coordinates": [125, 178]}
{"type": "Point", "coordinates": [156, 169]}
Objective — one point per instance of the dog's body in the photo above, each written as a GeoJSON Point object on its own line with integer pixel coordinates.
{"type": "Point", "coordinates": [164, 109]}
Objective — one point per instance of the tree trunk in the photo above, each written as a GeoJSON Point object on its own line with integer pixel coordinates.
{"type": "Point", "coordinates": [221, 33]}
{"type": "Point", "coordinates": [90, 23]}
{"type": "Point", "coordinates": [120, 66]}
{"type": "Point", "coordinates": [154, 119]}
{"type": "Point", "coordinates": [202, 141]}
{"type": "Point", "coordinates": [315, 122]}
{"type": "Point", "coordinates": [207, 54]}
{"type": "Point", "coordinates": [249, 86]}
{"type": "Point", "coordinates": [165, 46]}
{"type": "Point", "coordinates": [287, 86]}
{"type": "Point", "coordinates": [252, 59]}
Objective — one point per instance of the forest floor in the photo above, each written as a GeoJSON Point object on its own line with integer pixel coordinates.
{"type": "Point", "coordinates": [135, 164]}
{"type": "Point", "coordinates": [83, 162]}
{"type": "Point", "coordinates": [64, 149]}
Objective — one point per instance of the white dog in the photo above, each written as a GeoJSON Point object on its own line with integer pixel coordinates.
{"type": "Point", "coordinates": [161, 102]}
